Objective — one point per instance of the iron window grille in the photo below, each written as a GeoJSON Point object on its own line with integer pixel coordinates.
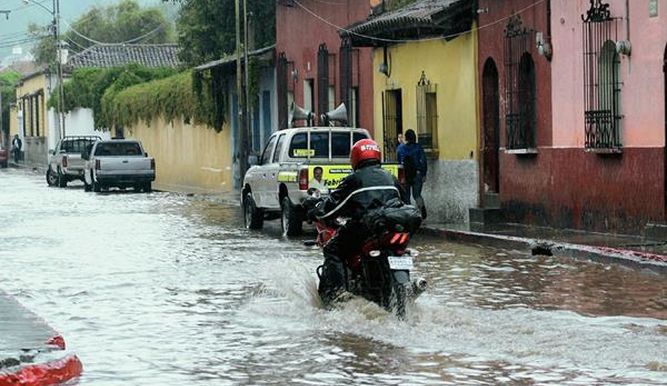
{"type": "Point", "coordinates": [521, 112]}
{"type": "Point", "coordinates": [427, 113]}
{"type": "Point", "coordinates": [602, 85]}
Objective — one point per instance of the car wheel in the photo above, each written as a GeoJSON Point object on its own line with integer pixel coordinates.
{"type": "Point", "coordinates": [290, 220]}
{"type": "Point", "coordinates": [51, 177]}
{"type": "Point", "coordinates": [96, 187]}
{"type": "Point", "coordinates": [86, 187]}
{"type": "Point", "coordinates": [253, 217]}
{"type": "Point", "coordinates": [147, 187]}
{"type": "Point", "coordinates": [62, 180]}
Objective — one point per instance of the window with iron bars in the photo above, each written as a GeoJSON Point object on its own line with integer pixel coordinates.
{"type": "Point", "coordinates": [521, 112]}
{"type": "Point", "coordinates": [427, 113]}
{"type": "Point", "coordinates": [602, 85]}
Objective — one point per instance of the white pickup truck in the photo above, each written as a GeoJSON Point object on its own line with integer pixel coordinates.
{"type": "Point", "coordinates": [65, 163]}
{"type": "Point", "coordinates": [118, 163]}
{"type": "Point", "coordinates": [278, 184]}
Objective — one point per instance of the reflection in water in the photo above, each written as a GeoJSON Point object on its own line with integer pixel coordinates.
{"type": "Point", "coordinates": [168, 289]}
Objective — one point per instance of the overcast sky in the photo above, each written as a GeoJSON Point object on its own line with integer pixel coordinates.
{"type": "Point", "coordinates": [14, 29]}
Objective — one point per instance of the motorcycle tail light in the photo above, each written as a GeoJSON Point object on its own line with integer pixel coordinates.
{"type": "Point", "coordinates": [98, 164]}
{"type": "Point", "coordinates": [64, 161]}
{"type": "Point", "coordinates": [395, 238]}
{"type": "Point", "coordinates": [303, 179]}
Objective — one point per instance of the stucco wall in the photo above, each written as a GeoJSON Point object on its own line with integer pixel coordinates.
{"type": "Point", "coordinates": [188, 158]}
{"type": "Point", "coordinates": [642, 90]}
{"type": "Point", "coordinates": [452, 185]}
{"type": "Point", "coordinates": [299, 33]}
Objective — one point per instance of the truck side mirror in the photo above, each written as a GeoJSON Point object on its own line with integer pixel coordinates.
{"type": "Point", "coordinates": [146, 154]}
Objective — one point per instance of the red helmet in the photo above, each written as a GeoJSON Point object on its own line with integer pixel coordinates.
{"type": "Point", "coordinates": [364, 150]}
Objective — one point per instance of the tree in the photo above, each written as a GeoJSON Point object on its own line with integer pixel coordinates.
{"type": "Point", "coordinates": [124, 22]}
{"type": "Point", "coordinates": [8, 81]}
{"type": "Point", "coordinates": [206, 28]}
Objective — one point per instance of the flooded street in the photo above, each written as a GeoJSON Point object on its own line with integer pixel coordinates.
{"type": "Point", "coordinates": [165, 289]}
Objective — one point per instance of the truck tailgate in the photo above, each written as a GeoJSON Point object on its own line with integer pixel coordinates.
{"type": "Point", "coordinates": [124, 165]}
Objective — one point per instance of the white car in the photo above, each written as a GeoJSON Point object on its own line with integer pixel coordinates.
{"type": "Point", "coordinates": [118, 163]}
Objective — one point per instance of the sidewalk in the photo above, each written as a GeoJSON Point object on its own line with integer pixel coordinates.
{"type": "Point", "coordinates": [31, 352]}
{"type": "Point", "coordinates": [628, 250]}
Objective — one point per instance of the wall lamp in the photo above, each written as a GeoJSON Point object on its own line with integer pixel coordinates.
{"type": "Point", "coordinates": [543, 46]}
{"type": "Point", "coordinates": [385, 66]}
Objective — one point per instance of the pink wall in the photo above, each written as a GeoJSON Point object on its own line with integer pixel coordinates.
{"type": "Point", "coordinates": [300, 31]}
{"type": "Point", "coordinates": [642, 95]}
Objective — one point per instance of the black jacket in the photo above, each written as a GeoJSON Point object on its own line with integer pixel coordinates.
{"type": "Point", "coordinates": [374, 187]}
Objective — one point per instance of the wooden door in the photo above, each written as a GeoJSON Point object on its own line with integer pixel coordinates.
{"type": "Point", "coordinates": [491, 115]}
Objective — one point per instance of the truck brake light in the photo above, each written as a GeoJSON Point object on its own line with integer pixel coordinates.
{"type": "Point", "coordinates": [303, 179]}
{"type": "Point", "coordinates": [64, 161]}
{"type": "Point", "coordinates": [98, 164]}
{"type": "Point", "coordinates": [153, 164]}
{"type": "Point", "coordinates": [401, 175]}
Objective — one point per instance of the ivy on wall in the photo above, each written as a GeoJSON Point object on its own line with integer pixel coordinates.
{"type": "Point", "coordinates": [128, 95]}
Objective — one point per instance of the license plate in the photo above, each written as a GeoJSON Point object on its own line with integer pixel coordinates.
{"type": "Point", "coordinates": [400, 263]}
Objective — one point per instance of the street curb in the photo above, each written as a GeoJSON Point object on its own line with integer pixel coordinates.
{"type": "Point", "coordinates": [49, 373]}
{"type": "Point", "coordinates": [634, 259]}
{"type": "Point", "coordinates": [42, 359]}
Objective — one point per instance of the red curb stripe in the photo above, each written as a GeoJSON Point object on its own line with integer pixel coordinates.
{"type": "Point", "coordinates": [57, 341]}
{"type": "Point", "coordinates": [45, 374]}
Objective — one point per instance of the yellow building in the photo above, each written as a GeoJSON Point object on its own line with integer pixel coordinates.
{"type": "Point", "coordinates": [30, 118]}
{"type": "Point", "coordinates": [425, 79]}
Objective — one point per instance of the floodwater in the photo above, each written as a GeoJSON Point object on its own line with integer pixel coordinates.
{"type": "Point", "coordinates": [166, 289]}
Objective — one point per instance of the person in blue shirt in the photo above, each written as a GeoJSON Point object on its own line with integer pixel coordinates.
{"type": "Point", "coordinates": [411, 155]}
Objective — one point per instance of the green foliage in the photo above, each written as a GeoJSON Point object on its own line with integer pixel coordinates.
{"type": "Point", "coordinates": [88, 87]}
{"type": "Point", "coordinates": [183, 95]}
{"type": "Point", "coordinates": [8, 81]}
{"type": "Point", "coordinates": [120, 22]}
{"type": "Point", "coordinates": [207, 28]}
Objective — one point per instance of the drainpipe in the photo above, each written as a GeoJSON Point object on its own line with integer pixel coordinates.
{"type": "Point", "coordinates": [627, 20]}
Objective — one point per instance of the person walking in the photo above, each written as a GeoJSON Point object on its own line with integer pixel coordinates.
{"type": "Point", "coordinates": [17, 145]}
{"type": "Point", "coordinates": [411, 155]}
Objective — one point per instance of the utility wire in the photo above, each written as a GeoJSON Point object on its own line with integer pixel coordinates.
{"type": "Point", "coordinates": [79, 34]}
{"type": "Point", "coordinates": [386, 40]}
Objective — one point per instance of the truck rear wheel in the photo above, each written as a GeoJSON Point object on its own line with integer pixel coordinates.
{"type": "Point", "coordinates": [253, 217]}
{"type": "Point", "coordinates": [62, 180]}
{"type": "Point", "coordinates": [290, 220]}
{"type": "Point", "coordinates": [51, 178]}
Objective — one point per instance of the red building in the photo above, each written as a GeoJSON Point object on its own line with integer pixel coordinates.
{"type": "Point", "coordinates": [572, 111]}
{"type": "Point", "coordinates": [315, 68]}
{"type": "Point", "coordinates": [515, 108]}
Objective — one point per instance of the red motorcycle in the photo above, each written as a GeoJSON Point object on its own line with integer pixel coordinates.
{"type": "Point", "coordinates": [380, 270]}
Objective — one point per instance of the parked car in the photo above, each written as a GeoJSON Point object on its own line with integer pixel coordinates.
{"type": "Point", "coordinates": [65, 163]}
{"type": "Point", "coordinates": [277, 186]}
{"type": "Point", "coordinates": [117, 163]}
{"type": "Point", "coordinates": [4, 157]}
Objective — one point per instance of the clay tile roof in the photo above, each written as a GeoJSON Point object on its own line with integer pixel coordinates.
{"type": "Point", "coordinates": [421, 18]}
{"type": "Point", "coordinates": [114, 55]}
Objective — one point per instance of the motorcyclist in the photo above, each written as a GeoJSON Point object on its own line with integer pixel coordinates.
{"type": "Point", "coordinates": [367, 187]}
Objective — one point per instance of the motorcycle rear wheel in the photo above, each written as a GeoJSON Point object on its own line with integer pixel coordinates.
{"type": "Point", "coordinates": [399, 299]}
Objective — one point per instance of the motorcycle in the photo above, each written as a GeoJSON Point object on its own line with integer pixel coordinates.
{"type": "Point", "coordinates": [380, 270]}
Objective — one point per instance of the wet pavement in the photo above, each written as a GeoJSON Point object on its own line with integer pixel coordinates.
{"type": "Point", "coordinates": [168, 289]}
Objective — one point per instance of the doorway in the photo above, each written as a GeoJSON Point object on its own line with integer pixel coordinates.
{"type": "Point", "coordinates": [393, 122]}
{"type": "Point", "coordinates": [491, 116]}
